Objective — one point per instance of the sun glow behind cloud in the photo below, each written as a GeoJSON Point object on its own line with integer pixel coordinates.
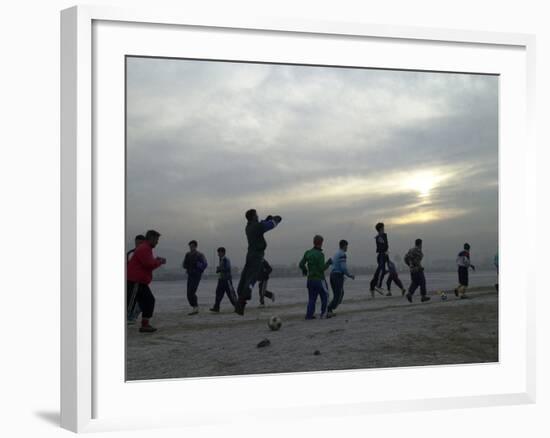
{"type": "Point", "coordinates": [424, 181]}
{"type": "Point", "coordinates": [422, 216]}
{"type": "Point", "coordinates": [346, 190]}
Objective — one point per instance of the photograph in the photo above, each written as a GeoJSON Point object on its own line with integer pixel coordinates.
{"type": "Point", "coordinates": [285, 218]}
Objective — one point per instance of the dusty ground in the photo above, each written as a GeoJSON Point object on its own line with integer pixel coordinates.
{"type": "Point", "coordinates": [366, 333]}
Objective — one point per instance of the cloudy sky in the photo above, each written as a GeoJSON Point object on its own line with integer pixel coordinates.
{"type": "Point", "coordinates": [332, 150]}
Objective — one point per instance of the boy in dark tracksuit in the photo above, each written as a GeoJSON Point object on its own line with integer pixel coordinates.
{"type": "Point", "coordinates": [255, 230]}
{"type": "Point", "coordinates": [393, 276]}
{"type": "Point", "coordinates": [225, 284]}
{"type": "Point", "coordinates": [337, 277]}
{"type": "Point", "coordinates": [382, 247]}
{"type": "Point", "coordinates": [413, 259]}
{"type": "Point", "coordinates": [463, 263]}
{"type": "Point", "coordinates": [263, 278]}
{"type": "Point", "coordinates": [195, 264]}
{"type": "Point", "coordinates": [314, 266]}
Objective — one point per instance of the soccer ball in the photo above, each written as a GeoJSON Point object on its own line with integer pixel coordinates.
{"type": "Point", "coordinates": [274, 323]}
{"type": "Point", "coordinates": [443, 296]}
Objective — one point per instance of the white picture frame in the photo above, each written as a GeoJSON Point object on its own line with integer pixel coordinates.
{"type": "Point", "coordinates": [87, 403]}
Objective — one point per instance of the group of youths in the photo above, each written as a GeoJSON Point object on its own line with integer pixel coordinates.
{"type": "Point", "coordinates": [141, 263]}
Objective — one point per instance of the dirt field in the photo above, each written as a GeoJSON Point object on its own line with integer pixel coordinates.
{"type": "Point", "coordinates": [366, 333]}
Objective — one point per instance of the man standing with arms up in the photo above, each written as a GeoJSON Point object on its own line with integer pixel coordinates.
{"type": "Point", "coordinates": [413, 259]}
{"type": "Point", "coordinates": [195, 264]}
{"type": "Point", "coordinates": [139, 274]}
{"type": "Point", "coordinates": [255, 230]}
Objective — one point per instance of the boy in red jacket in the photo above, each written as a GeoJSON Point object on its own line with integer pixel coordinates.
{"type": "Point", "coordinates": [139, 275]}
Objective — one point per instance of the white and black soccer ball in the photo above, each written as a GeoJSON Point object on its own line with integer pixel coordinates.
{"type": "Point", "coordinates": [274, 323]}
{"type": "Point", "coordinates": [443, 296]}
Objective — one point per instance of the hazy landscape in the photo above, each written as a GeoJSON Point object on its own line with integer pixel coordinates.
{"type": "Point", "coordinates": [333, 151]}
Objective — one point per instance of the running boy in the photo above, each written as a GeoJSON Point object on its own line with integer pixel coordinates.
{"type": "Point", "coordinates": [195, 264]}
{"type": "Point", "coordinates": [139, 274]}
{"type": "Point", "coordinates": [463, 263]}
{"type": "Point", "coordinates": [413, 259]}
{"type": "Point", "coordinates": [393, 276]}
{"type": "Point", "coordinates": [314, 266]}
{"type": "Point", "coordinates": [382, 247]}
{"type": "Point", "coordinates": [337, 277]}
{"type": "Point", "coordinates": [225, 284]}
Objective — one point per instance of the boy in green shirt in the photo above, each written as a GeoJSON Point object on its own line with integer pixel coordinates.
{"type": "Point", "coordinates": [314, 266]}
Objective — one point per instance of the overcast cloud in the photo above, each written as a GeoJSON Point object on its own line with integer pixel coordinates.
{"type": "Point", "coordinates": [332, 150]}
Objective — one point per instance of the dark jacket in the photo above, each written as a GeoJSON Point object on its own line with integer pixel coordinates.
{"type": "Point", "coordinates": [255, 234]}
{"type": "Point", "coordinates": [413, 259]}
{"type": "Point", "coordinates": [463, 259]}
{"type": "Point", "coordinates": [194, 263]}
{"type": "Point", "coordinates": [382, 245]}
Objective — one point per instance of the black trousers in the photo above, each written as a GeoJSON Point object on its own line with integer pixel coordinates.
{"type": "Point", "coordinates": [418, 279]}
{"type": "Point", "coordinates": [225, 287]}
{"type": "Point", "coordinates": [337, 285]}
{"type": "Point", "coordinates": [141, 294]}
{"type": "Point", "coordinates": [193, 281]}
{"type": "Point", "coordinates": [463, 276]}
{"type": "Point", "coordinates": [262, 289]}
{"type": "Point", "coordinates": [249, 275]}
{"type": "Point", "coordinates": [380, 271]}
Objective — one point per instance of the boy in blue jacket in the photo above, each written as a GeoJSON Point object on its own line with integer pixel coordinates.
{"type": "Point", "coordinates": [337, 277]}
{"type": "Point", "coordinates": [225, 284]}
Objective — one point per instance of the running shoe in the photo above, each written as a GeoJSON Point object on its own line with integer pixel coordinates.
{"type": "Point", "coordinates": [147, 329]}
